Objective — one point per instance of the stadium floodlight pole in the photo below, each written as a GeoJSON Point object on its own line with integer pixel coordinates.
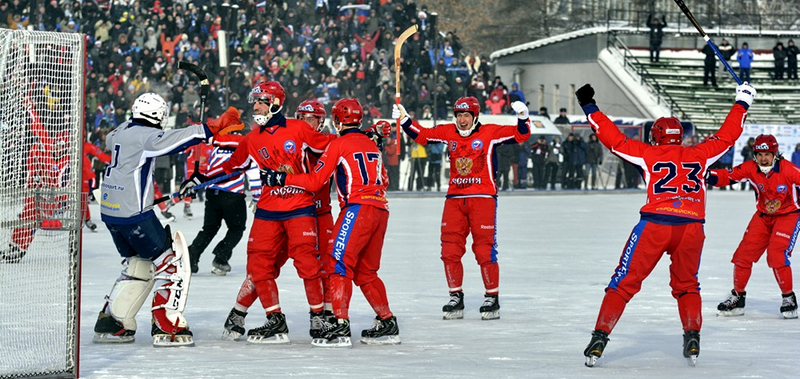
{"type": "Point", "coordinates": [200, 186]}
{"type": "Point", "coordinates": [398, 47]}
{"type": "Point", "coordinates": [204, 84]}
{"type": "Point", "coordinates": [708, 40]}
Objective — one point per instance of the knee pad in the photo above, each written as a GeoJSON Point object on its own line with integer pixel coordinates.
{"type": "Point", "coordinates": [130, 291]}
{"type": "Point", "coordinates": [173, 274]}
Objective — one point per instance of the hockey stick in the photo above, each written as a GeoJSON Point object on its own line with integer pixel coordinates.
{"type": "Point", "coordinates": [204, 84]}
{"type": "Point", "coordinates": [200, 186]}
{"type": "Point", "coordinates": [398, 47]}
{"type": "Point", "coordinates": [708, 40]}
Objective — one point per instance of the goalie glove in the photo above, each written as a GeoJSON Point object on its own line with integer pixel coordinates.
{"type": "Point", "coordinates": [187, 187]}
{"type": "Point", "coordinates": [585, 95]}
{"type": "Point", "coordinates": [520, 109]}
{"type": "Point", "coordinates": [745, 93]}
{"type": "Point", "coordinates": [399, 113]}
{"type": "Point", "coordinates": [230, 121]}
{"type": "Point", "coordinates": [272, 178]}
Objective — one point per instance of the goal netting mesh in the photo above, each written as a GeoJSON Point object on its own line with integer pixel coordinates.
{"type": "Point", "coordinates": [41, 136]}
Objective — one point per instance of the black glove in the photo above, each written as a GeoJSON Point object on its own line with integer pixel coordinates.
{"type": "Point", "coordinates": [187, 187]}
{"type": "Point", "coordinates": [585, 95]}
{"type": "Point", "coordinates": [375, 137]}
{"type": "Point", "coordinates": [272, 178]}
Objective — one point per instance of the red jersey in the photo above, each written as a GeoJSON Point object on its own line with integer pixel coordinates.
{"type": "Point", "coordinates": [673, 174]}
{"type": "Point", "coordinates": [776, 191]}
{"type": "Point", "coordinates": [322, 198]}
{"type": "Point", "coordinates": [92, 149]}
{"type": "Point", "coordinates": [473, 162]}
{"type": "Point", "coordinates": [280, 145]}
{"type": "Point", "coordinates": [359, 173]}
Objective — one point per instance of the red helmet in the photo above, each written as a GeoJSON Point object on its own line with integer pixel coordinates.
{"type": "Point", "coordinates": [272, 92]}
{"type": "Point", "coordinates": [766, 143]}
{"type": "Point", "coordinates": [467, 104]}
{"type": "Point", "coordinates": [666, 131]}
{"type": "Point", "coordinates": [312, 107]}
{"type": "Point", "coordinates": [347, 112]}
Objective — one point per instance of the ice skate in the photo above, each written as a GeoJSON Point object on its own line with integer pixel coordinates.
{"type": "Point", "coordinates": [596, 346]}
{"type": "Point", "coordinates": [187, 212]}
{"type": "Point", "coordinates": [454, 309]}
{"type": "Point", "coordinates": [691, 346]}
{"type": "Point", "coordinates": [168, 216]}
{"type": "Point", "coordinates": [109, 330]}
{"type": "Point", "coordinates": [220, 269]}
{"type": "Point", "coordinates": [274, 331]}
{"type": "Point", "coordinates": [733, 305]}
{"type": "Point", "coordinates": [234, 325]}
{"type": "Point", "coordinates": [91, 225]}
{"type": "Point", "coordinates": [490, 310]}
{"type": "Point", "coordinates": [13, 254]}
{"type": "Point", "coordinates": [789, 306]}
{"type": "Point", "coordinates": [383, 332]}
{"type": "Point", "coordinates": [163, 339]}
{"type": "Point", "coordinates": [318, 323]}
{"type": "Point", "coordinates": [335, 335]}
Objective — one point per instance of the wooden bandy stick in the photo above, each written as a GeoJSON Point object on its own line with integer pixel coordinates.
{"type": "Point", "coordinates": [398, 46]}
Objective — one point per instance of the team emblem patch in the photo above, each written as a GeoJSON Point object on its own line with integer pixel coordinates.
{"type": "Point", "coordinates": [290, 146]}
{"type": "Point", "coordinates": [782, 188]}
{"type": "Point", "coordinates": [464, 165]}
{"type": "Point", "coordinates": [772, 206]}
{"type": "Point", "coordinates": [477, 144]}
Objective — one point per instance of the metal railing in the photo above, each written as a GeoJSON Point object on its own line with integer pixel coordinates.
{"type": "Point", "coordinates": [712, 23]}
{"type": "Point", "coordinates": [632, 65]}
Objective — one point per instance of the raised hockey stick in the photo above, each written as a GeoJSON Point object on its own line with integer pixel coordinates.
{"type": "Point", "coordinates": [204, 84]}
{"type": "Point", "coordinates": [398, 47]}
{"type": "Point", "coordinates": [708, 40]}
{"type": "Point", "coordinates": [200, 186]}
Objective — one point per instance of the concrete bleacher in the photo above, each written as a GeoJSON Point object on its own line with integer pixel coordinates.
{"type": "Point", "coordinates": [680, 73]}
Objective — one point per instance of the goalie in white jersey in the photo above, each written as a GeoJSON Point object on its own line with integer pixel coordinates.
{"type": "Point", "coordinates": [152, 255]}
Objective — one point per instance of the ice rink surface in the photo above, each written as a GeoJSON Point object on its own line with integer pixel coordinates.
{"type": "Point", "coordinates": [556, 253]}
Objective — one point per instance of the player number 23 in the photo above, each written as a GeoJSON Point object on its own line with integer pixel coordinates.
{"type": "Point", "coordinates": [692, 177]}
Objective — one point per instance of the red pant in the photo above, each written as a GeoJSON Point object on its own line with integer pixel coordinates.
{"type": "Point", "coordinates": [646, 245]}
{"type": "Point", "coordinates": [267, 239]}
{"type": "Point", "coordinates": [775, 234]}
{"type": "Point", "coordinates": [462, 216]}
{"type": "Point", "coordinates": [356, 257]}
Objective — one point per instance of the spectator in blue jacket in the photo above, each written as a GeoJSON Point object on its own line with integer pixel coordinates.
{"type": "Point", "coordinates": [796, 155]}
{"type": "Point", "coordinates": [745, 58]}
{"type": "Point", "coordinates": [516, 94]}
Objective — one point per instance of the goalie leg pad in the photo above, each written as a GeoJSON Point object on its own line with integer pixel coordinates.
{"type": "Point", "coordinates": [130, 291]}
{"type": "Point", "coordinates": [173, 274]}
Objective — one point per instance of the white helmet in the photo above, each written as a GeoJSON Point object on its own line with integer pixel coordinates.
{"type": "Point", "coordinates": [150, 107]}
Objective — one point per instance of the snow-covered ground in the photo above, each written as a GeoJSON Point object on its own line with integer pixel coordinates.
{"type": "Point", "coordinates": [557, 253]}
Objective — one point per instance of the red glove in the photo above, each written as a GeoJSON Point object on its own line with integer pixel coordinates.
{"type": "Point", "coordinates": [382, 128]}
{"type": "Point", "coordinates": [229, 121]}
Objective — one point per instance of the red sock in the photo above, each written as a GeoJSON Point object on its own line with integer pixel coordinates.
{"type": "Point", "coordinates": [375, 292]}
{"type": "Point", "coordinates": [267, 291]}
{"type": "Point", "coordinates": [690, 308]}
{"type": "Point", "coordinates": [454, 273]}
{"type": "Point", "coordinates": [342, 288]}
{"type": "Point", "coordinates": [247, 295]}
{"type": "Point", "coordinates": [490, 272]}
{"type": "Point", "coordinates": [610, 311]}
{"type": "Point", "coordinates": [741, 275]}
{"type": "Point", "coordinates": [784, 277]}
{"type": "Point", "coordinates": [314, 294]}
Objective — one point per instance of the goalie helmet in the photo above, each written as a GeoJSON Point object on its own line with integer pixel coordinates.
{"type": "Point", "coordinates": [269, 92]}
{"type": "Point", "coordinates": [470, 105]}
{"type": "Point", "coordinates": [766, 143]}
{"type": "Point", "coordinates": [151, 108]}
{"type": "Point", "coordinates": [666, 131]}
{"type": "Point", "coordinates": [346, 112]}
{"type": "Point", "coordinates": [312, 108]}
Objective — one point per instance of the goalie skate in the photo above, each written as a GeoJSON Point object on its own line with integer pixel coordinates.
{"type": "Point", "coordinates": [109, 330]}
{"type": "Point", "coordinates": [163, 339]}
{"type": "Point", "coordinates": [234, 325]}
{"type": "Point", "coordinates": [490, 310]}
{"type": "Point", "coordinates": [274, 331]}
{"type": "Point", "coordinates": [733, 305]}
{"type": "Point", "coordinates": [789, 306]}
{"type": "Point", "coordinates": [454, 309]}
{"type": "Point", "coordinates": [335, 335]}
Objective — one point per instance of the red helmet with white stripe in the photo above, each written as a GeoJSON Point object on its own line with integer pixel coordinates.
{"type": "Point", "coordinates": [666, 131]}
{"type": "Point", "coordinates": [310, 110]}
{"type": "Point", "coordinates": [766, 143]}
{"type": "Point", "coordinates": [347, 112]}
{"type": "Point", "coordinates": [269, 92]}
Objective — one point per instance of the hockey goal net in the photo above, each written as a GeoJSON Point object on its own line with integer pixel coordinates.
{"type": "Point", "coordinates": [41, 135]}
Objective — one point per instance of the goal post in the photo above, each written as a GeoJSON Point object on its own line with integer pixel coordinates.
{"type": "Point", "coordinates": [41, 144]}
